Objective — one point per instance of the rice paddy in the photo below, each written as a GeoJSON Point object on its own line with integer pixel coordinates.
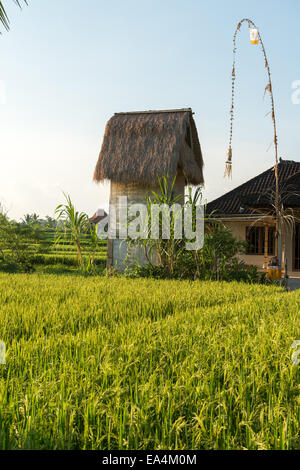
{"type": "Point", "coordinates": [115, 363]}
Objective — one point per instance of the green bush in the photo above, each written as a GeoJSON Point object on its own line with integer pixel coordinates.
{"type": "Point", "coordinates": [216, 261]}
{"type": "Point", "coordinates": [18, 244]}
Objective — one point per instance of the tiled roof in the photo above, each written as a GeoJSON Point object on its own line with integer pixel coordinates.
{"type": "Point", "coordinates": [257, 191]}
{"type": "Point", "coordinates": [98, 216]}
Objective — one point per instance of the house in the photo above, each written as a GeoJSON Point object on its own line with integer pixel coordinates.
{"type": "Point", "coordinates": [99, 215]}
{"type": "Point", "coordinates": [137, 149]}
{"type": "Point", "coordinates": [248, 211]}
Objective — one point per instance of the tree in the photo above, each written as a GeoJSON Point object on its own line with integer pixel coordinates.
{"type": "Point", "coordinates": [19, 243]}
{"type": "Point", "coordinates": [3, 16]}
{"type": "Point", "coordinates": [30, 219]}
{"type": "Point", "coordinates": [50, 222]}
{"type": "Point", "coordinates": [74, 222]}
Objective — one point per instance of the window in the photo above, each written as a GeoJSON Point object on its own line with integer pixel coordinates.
{"type": "Point", "coordinates": [255, 237]}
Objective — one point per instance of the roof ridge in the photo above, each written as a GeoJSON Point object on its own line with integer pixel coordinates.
{"type": "Point", "coordinates": [243, 184]}
{"type": "Point", "coordinates": [182, 110]}
{"type": "Point", "coordinates": [260, 175]}
{"type": "Point", "coordinates": [288, 169]}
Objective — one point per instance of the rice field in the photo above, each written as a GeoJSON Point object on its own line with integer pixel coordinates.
{"type": "Point", "coordinates": [115, 363]}
{"type": "Point", "coordinates": [65, 253]}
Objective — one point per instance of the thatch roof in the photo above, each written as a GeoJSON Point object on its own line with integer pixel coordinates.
{"type": "Point", "coordinates": [139, 147]}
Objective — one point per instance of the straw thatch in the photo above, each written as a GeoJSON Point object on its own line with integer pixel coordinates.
{"type": "Point", "coordinates": [139, 147]}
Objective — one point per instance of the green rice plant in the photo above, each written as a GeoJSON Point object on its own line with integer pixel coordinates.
{"type": "Point", "coordinates": [115, 363]}
{"type": "Point", "coordinates": [65, 259]}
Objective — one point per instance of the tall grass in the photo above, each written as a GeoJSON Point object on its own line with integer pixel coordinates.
{"type": "Point", "coordinates": [105, 363]}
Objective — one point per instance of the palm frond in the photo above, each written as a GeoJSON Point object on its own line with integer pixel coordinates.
{"type": "Point", "coordinates": [3, 15]}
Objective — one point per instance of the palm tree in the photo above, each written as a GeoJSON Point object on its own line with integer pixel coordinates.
{"type": "Point", "coordinates": [27, 219]}
{"type": "Point", "coordinates": [35, 218]}
{"type": "Point", "coordinates": [50, 222]}
{"type": "Point", "coordinates": [3, 16]}
{"type": "Point", "coordinates": [30, 219]}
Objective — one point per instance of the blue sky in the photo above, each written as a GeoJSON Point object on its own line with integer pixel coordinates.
{"type": "Point", "coordinates": [68, 65]}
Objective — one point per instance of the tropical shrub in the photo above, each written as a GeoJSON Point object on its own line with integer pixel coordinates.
{"type": "Point", "coordinates": [19, 243]}
{"type": "Point", "coordinates": [76, 228]}
{"type": "Point", "coordinates": [216, 260]}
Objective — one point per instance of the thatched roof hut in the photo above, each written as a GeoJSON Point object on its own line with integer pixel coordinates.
{"type": "Point", "coordinates": [139, 147]}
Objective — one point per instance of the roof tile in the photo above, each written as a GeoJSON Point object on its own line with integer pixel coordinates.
{"type": "Point", "coordinates": [235, 201]}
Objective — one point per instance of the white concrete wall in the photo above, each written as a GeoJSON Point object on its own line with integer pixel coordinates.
{"type": "Point", "coordinates": [239, 231]}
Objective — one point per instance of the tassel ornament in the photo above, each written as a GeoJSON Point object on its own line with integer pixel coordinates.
{"type": "Point", "coordinates": [228, 165]}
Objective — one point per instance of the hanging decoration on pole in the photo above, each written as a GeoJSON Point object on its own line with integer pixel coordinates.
{"type": "Point", "coordinates": [255, 38]}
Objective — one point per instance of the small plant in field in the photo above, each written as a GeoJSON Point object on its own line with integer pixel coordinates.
{"type": "Point", "coordinates": [74, 223]}
{"type": "Point", "coordinates": [77, 228]}
{"type": "Point", "coordinates": [111, 272]}
{"type": "Point", "coordinates": [94, 242]}
{"type": "Point", "coordinates": [194, 200]}
{"type": "Point", "coordinates": [167, 250]}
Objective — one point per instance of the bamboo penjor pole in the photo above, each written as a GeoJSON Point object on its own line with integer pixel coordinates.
{"type": "Point", "coordinates": [228, 167]}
